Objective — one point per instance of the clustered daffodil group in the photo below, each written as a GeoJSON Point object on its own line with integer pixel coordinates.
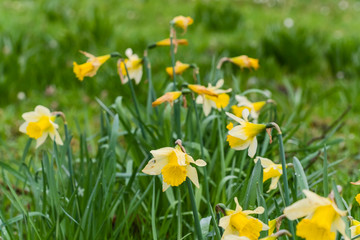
{"type": "Point", "coordinates": [320, 217]}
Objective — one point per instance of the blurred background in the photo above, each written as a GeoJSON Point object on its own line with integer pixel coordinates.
{"type": "Point", "coordinates": [309, 55]}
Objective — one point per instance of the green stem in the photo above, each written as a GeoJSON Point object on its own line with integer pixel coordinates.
{"type": "Point", "coordinates": [194, 209]}
{"type": "Point", "coordinates": [221, 145]}
{"type": "Point", "coordinates": [285, 179]}
{"type": "Point", "coordinates": [68, 150]}
{"type": "Point", "coordinates": [151, 92]}
{"type": "Point", "coordinates": [177, 104]}
{"type": "Point", "coordinates": [325, 174]}
{"type": "Point", "coordinates": [153, 213]}
{"type": "Point", "coordinates": [179, 215]}
{"type": "Point", "coordinates": [135, 102]}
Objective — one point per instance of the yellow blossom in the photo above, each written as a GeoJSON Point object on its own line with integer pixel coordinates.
{"type": "Point", "coordinates": [183, 22]}
{"type": "Point", "coordinates": [271, 171]}
{"type": "Point", "coordinates": [89, 68]}
{"type": "Point", "coordinates": [39, 124]}
{"type": "Point", "coordinates": [243, 103]}
{"type": "Point", "coordinates": [357, 198]}
{"type": "Point", "coordinates": [322, 217]}
{"type": "Point", "coordinates": [239, 225]}
{"type": "Point", "coordinates": [355, 228]}
{"type": "Point", "coordinates": [167, 97]}
{"type": "Point", "coordinates": [174, 165]}
{"type": "Point", "coordinates": [166, 42]}
{"type": "Point", "coordinates": [133, 65]}
{"type": "Point", "coordinates": [212, 96]}
{"type": "Point", "coordinates": [244, 61]}
{"type": "Point", "coordinates": [244, 135]}
{"type": "Point", "coordinates": [179, 68]}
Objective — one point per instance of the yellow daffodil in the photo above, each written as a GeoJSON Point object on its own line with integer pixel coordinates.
{"type": "Point", "coordinates": [174, 165]}
{"type": "Point", "coordinates": [244, 135]}
{"type": "Point", "coordinates": [89, 68]}
{"type": "Point", "coordinates": [355, 228]}
{"type": "Point", "coordinates": [179, 68]}
{"type": "Point", "coordinates": [183, 22]}
{"type": "Point", "coordinates": [133, 65]}
{"type": "Point", "coordinates": [322, 217]}
{"type": "Point", "coordinates": [169, 97]}
{"type": "Point", "coordinates": [176, 42]}
{"type": "Point", "coordinates": [244, 103]}
{"type": "Point", "coordinates": [212, 96]}
{"type": "Point", "coordinates": [238, 225]}
{"type": "Point", "coordinates": [271, 170]}
{"type": "Point", "coordinates": [39, 124]}
{"type": "Point", "coordinates": [244, 61]}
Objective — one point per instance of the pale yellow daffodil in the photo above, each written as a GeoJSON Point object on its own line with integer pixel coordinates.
{"type": "Point", "coordinates": [39, 124]}
{"type": "Point", "coordinates": [322, 217]}
{"type": "Point", "coordinates": [174, 165]}
{"type": "Point", "coordinates": [169, 97]}
{"type": "Point", "coordinates": [244, 135]}
{"type": "Point", "coordinates": [212, 96]}
{"type": "Point", "coordinates": [271, 171]}
{"type": "Point", "coordinates": [183, 22]}
{"type": "Point", "coordinates": [176, 42]}
{"type": "Point", "coordinates": [355, 228]}
{"type": "Point", "coordinates": [179, 69]}
{"type": "Point", "coordinates": [133, 65]}
{"type": "Point", "coordinates": [89, 68]}
{"type": "Point", "coordinates": [244, 103]}
{"type": "Point", "coordinates": [238, 225]}
{"type": "Point", "coordinates": [244, 61]}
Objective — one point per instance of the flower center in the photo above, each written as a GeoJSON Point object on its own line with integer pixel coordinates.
{"type": "Point", "coordinates": [319, 226]}
{"type": "Point", "coordinates": [174, 174]}
{"type": "Point", "coordinates": [36, 129]}
{"type": "Point", "coordinates": [221, 101]}
{"type": "Point", "coordinates": [246, 226]}
{"type": "Point", "coordinates": [272, 171]}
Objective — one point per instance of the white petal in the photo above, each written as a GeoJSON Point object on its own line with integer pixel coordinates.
{"type": "Point", "coordinates": [200, 163]}
{"type": "Point", "coordinates": [258, 210]}
{"type": "Point", "coordinates": [224, 222]}
{"type": "Point", "coordinates": [41, 110]}
{"type": "Point", "coordinates": [300, 209]}
{"type": "Point", "coordinates": [339, 225]}
{"type": "Point", "coordinates": [137, 75]}
{"type": "Point", "coordinates": [41, 139]}
{"type": "Point", "coordinates": [31, 116]}
{"type": "Point", "coordinates": [165, 186]}
{"type": "Point", "coordinates": [192, 174]}
{"type": "Point", "coordinates": [243, 146]}
{"type": "Point", "coordinates": [206, 107]}
{"type": "Point", "coordinates": [265, 162]}
{"type": "Point", "coordinates": [316, 199]}
{"type": "Point", "coordinates": [219, 83]}
{"type": "Point", "coordinates": [58, 138]}
{"type": "Point", "coordinates": [252, 147]}
{"type": "Point", "coordinates": [238, 132]}
{"type": "Point", "coordinates": [199, 99]}
{"type": "Point", "coordinates": [162, 152]}
{"type": "Point", "coordinates": [245, 114]}
{"type": "Point", "coordinates": [239, 120]}
{"type": "Point", "coordinates": [154, 166]}
{"type": "Point", "coordinates": [238, 207]}
{"type": "Point", "coordinates": [234, 237]}
{"type": "Point", "coordinates": [23, 127]}
{"type": "Point", "coordinates": [129, 52]}
{"type": "Point", "coordinates": [273, 184]}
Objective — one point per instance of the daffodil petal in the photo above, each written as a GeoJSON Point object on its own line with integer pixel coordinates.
{"type": "Point", "coordinates": [238, 132]}
{"type": "Point", "coordinates": [239, 120]}
{"type": "Point", "coordinates": [339, 225]}
{"type": "Point", "coordinates": [41, 139]}
{"type": "Point", "coordinates": [165, 186]}
{"type": "Point", "coordinates": [273, 184]}
{"type": "Point", "coordinates": [265, 162]}
{"type": "Point", "coordinates": [192, 175]}
{"type": "Point", "coordinates": [252, 147]}
{"type": "Point", "coordinates": [258, 210]}
{"type": "Point", "coordinates": [300, 209]}
{"type": "Point", "coordinates": [200, 163]}
{"type": "Point", "coordinates": [41, 110]}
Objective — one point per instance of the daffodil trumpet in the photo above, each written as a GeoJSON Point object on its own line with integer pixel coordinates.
{"type": "Point", "coordinates": [242, 61]}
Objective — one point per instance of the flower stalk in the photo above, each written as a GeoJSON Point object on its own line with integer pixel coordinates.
{"type": "Point", "coordinates": [194, 209]}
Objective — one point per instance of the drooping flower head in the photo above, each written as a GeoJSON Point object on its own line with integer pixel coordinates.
{"type": "Point", "coordinates": [212, 96]}
{"type": "Point", "coordinates": [133, 65]}
{"type": "Point", "coordinates": [237, 223]}
{"type": "Point", "coordinates": [39, 124]}
{"type": "Point", "coordinates": [271, 171]}
{"type": "Point", "coordinates": [244, 103]}
{"type": "Point", "coordinates": [322, 217]}
{"type": "Point", "coordinates": [169, 97]}
{"type": "Point", "coordinates": [244, 135]}
{"type": "Point", "coordinates": [89, 68]}
{"type": "Point", "coordinates": [244, 61]}
{"type": "Point", "coordinates": [183, 22]}
{"type": "Point", "coordinates": [179, 68]}
{"type": "Point", "coordinates": [176, 42]}
{"type": "Point", "coordinates": [174, 165]}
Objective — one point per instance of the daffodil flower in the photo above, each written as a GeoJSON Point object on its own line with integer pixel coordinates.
{"type": "Point", "coordinates": [355, 228]}
{"type": "Point", "coordinates": [89, 68]}
{"type": "Point", "coordinates": [322, 217]}
{"type": "Point", "coordinates": [244, 103]}
{"type": "Point", "coordinates": [176, 42]}
{"type": "Point", "coordinates": [238, 225]}
{"type": "Point", "coordinates": [271, 171]}
{"type": "Point", "coordinates": [179, 69]}
{"type": "Point", "coordinates": [133, 65]}
{"type": "Point", "coordinates": [244, 61]}
{"type": "Point", "coordinates": [174, 165]}
{"type": "Point", "coordinates": [212, 96]}
{"type": "Point", "coordinates": [183, 22]}
{"type": "Point", "coordinates": [39, 124]}
{"type": "Point", "coordinates": [357, 198]}
{"type": "Point", "coordinates": [244, 135]}
{"type": "Point", "coordinates": [169, 97]}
